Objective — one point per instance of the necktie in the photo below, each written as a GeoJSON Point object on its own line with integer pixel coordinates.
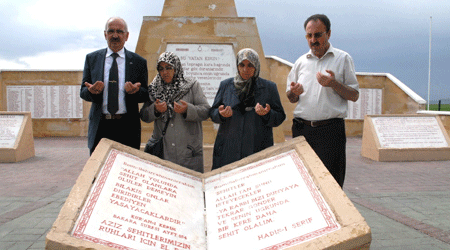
{"type": "Point", "coordinates": [113, 86]}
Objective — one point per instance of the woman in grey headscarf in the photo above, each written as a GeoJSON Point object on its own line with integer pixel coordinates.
{"type": "Point", "coordinates": [247, 107]}
{"type": "Point", "coordinates": [180, 100]}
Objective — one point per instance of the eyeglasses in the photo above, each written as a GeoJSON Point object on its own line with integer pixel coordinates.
{"type": "Point", "coordinates": [315, 35]}
{"type": "Point", "coordinates": [111, 31]}
{"type": "Point", "coordinates": [166, 68]}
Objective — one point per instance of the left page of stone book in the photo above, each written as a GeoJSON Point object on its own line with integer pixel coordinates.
{"type": "Point", "coordinates": [137, 204]}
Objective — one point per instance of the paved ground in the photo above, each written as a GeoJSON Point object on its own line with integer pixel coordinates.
{"type": "Point", "coordinates": [406, 204]}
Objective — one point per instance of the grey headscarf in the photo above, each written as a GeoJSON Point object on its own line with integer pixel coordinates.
{"type": "Point", "coordinates": [171, 92]}
{"type": "Point", "coordinates": [243, 86]}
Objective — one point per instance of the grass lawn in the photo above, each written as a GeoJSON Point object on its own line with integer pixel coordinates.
{"type": "Point", "coordinates": [444, 107]}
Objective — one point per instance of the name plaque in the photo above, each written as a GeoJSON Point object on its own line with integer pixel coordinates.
{"type": "Point", "coordinates": [9, 129]}
{"type": "Point", "coordinates": [46, 101]}
{"type": "Point", "coordinates": [209, 64]}
{"type": "Point", "coordinates": [369, 103]}
{"type": "Point", "coordinates": [409, 132]}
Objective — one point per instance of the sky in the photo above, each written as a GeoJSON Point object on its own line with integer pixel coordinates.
{"type": "Point", "coordinates": [382, 36]}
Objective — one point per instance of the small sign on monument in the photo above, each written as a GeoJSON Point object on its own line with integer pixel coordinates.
{"type": "Point", "coordinates": [280, 198]}
{"type": "Point", "coordinates": [209, 64]}
{"type": "Point", "coordinates": [405, 138]}
{"type": "Point", "coordinates": [16, 136]}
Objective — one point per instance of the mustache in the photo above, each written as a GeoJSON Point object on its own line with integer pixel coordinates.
{"type": "Point", "coordinates": [315, 44]}
{"type": "Point", "coordinates": [114, 39]}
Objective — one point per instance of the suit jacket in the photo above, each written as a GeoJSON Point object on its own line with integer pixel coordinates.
{"type": "Point", "coordinates": [135, 71]}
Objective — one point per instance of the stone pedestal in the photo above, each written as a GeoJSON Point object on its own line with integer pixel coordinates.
{"type": "Point", "coordinates": [16, 136]}
{"type": "Point", "coordinates": [405, 138]}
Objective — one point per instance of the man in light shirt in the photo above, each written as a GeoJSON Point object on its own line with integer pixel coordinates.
{"type": "Point", "coordinates": [115, 81]}
{"type": "Point", "coordinates": [322, 82]}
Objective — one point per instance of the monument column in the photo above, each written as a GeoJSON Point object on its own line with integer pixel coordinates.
{"type": "Point", "coordinates": [206, 35]}
{"type": "Point", "coordinates": [219, 8]}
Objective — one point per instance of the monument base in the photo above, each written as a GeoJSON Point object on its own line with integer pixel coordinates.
{"type": "Point", "coordinates": [405, 138]}
{"type": "Point", "coordinates": [16, 136]}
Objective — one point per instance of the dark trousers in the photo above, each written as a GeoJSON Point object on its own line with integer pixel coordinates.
{"type": "Point", "coordinates": [117, 130]}
{"type": "Point", "coordinates": [328, 141]}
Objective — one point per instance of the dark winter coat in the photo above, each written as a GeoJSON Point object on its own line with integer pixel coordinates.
{"type": "Point", "coordinates": [245, 132]}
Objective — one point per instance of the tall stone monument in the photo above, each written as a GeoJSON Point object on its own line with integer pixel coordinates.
{"type": "Point", "coordinates": [206, 35]}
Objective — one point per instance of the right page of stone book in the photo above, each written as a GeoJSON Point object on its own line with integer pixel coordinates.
{"type": "Point", "coordinates": [270, 204]}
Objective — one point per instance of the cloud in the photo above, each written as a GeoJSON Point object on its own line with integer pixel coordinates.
{"type": "Point", "coordinates": [60, 60]}
{"type": "Point", "coordinates": [67, 15]}
{"type": "Point", "coordinates": [382, 36]}
{"type": "Point", "coordinates": [11, 64]}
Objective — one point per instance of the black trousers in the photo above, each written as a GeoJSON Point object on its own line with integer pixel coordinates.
{"type": "Point", "coordinates": [117, 130]}
{"type": "Point", "coordinates": [329, 142]}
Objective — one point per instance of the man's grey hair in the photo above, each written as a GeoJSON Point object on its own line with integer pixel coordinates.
{"type": "Point", "coordinates": [116, 18]}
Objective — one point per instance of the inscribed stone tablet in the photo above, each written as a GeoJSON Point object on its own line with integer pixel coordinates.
{"type": "Point", "coordinates": [209, 64]}
{"type": "Point", "coordinates": [136, 204]}
{"type": "Point", "coordinates": [369, 103]}
{"type": "Point", "coordinates": [409, 132]}
{"type": "Point", "coordinates": [270, 204]}
{"type": "Point", "coordinates": [48, 101]}
{"type": "Point", "coordinates": [9, 129]}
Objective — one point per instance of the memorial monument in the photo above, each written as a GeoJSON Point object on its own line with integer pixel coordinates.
{"type": "Point", "coordinates": [16, 136]}
{"type": "Point", "coordinates": [280, 198]}
{"type": "Point", "coordinates": [405, 138]}
{"type": "Point", "coordinates": [206, 35]}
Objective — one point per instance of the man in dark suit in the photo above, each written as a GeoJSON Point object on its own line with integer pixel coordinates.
{"type": "Point", "coordinates": [115, 80]}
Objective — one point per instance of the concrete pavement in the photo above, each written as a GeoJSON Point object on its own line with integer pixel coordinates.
{"type": "Point", "coordinates": [406, 204]}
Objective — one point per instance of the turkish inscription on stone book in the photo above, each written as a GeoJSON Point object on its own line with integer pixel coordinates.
{"type": "Point", "coordinates": [136, 204]}
{"type": "Point", "coordinates": [409, 132]}
{"type": "Point", "coordinates": [9, 129]}
{"type": "Point", "coordinates": [209, 64]}
{"type": "Point", "coordinates": [270, 204]}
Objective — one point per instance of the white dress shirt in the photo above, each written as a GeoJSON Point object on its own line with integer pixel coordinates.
{"type": "Point", "coordinates": [121, 66]}
{"type": "Point", "coordinates": [317, 102]}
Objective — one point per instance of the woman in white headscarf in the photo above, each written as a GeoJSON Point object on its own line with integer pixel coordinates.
{"type": "Point", "coordinates": [247, 107]}
{"type": "Point", "coordinates": [181, 101]}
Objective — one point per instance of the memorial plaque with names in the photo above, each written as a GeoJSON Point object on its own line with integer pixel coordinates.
{"type": "Point", "coordinates": [48, 101]}
{"type": "Point", "coordinates": [409, 132]}
{"type": "Point", "coordinates": [9, 129]}
{"type": "Point", "coordinates": [369, 103]}
{"type": "Point", "coordinates": [136, 204]}
{"type": "Point", "coordinates": [209, 64]}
